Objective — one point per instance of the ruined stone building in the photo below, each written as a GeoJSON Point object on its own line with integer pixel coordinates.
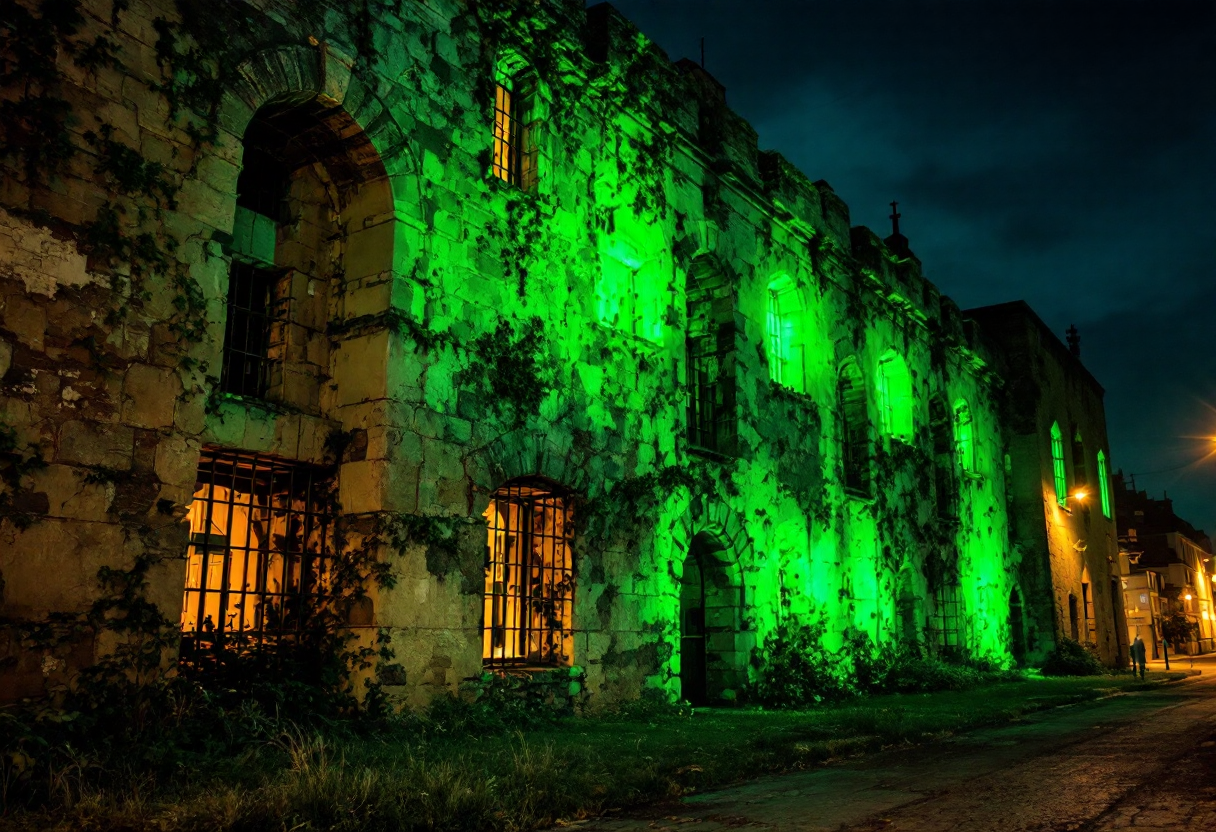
{"type": "Point", "coordinates": [484, 333]}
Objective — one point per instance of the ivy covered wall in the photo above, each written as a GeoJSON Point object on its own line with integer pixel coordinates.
{"type": "Point", "coordinates": [458, 332]}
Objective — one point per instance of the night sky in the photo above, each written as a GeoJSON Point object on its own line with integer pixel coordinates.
{"type": "Point", "coordinates": [1060, 152]}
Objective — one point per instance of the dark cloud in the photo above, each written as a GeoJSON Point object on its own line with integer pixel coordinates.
{"type": "Point", "coordinates": [1063, 152]}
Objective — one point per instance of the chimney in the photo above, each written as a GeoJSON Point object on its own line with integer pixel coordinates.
{"type": "Point", "coordinates": [1074, 341]}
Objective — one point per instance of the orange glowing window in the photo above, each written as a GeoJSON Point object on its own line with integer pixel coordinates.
{"type": "Point", "coordinates": [260, 556]}
{"type": "Point", "coordinates": [515, 154]}
{"type": "Point", "coordinates": [529, 592]}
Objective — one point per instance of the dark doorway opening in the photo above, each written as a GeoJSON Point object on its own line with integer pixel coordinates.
{"type": "Point", "coordinates": [692, 631]}
{"type": "Point", "coordinates": [1017, 626]}
{"type": "Point", "coordinates": [712, 656]}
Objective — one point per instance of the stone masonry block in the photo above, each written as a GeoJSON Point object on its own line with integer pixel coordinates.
{"type": "Point", "coordinates": [89, 443]}
{"type": "Point", "coordinates": [150, 396]}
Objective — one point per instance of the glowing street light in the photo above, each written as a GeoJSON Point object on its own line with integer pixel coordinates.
{"type": "Point", "coordinates": [1080, 495]}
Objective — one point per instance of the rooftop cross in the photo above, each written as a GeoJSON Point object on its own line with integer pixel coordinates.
{"type": "Point", "coordinates": [895, 215]}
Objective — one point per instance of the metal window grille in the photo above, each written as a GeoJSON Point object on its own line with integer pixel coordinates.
{"type": "Point", "coordinates": [529, 595]}
{"type": "Point", "coordinates": [515, 153]}
{"type": "Point", "coordinates": [258, 311]}
{"type": "Point", "coordinates": [855, 435]}
{"type": "Point", "coordinates": [260, 556]}
{"type": "Point", "coordinates": [947, 619]}
{"type": "Point", "coordinates": [712, 416]}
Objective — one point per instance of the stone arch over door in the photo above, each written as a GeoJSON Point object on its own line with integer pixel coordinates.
{"type": "Point", "coordinates": [713, 659]}
{"type": "Point", "coordinates": [711, 579]}
{"type": "Point", "coordinates": [909, 603]}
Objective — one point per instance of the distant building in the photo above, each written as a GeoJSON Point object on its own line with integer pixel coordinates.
{"type": "Point", "coordinates": [1169, 569]}
{"type": "Point", "coordinates": [1057, 463]}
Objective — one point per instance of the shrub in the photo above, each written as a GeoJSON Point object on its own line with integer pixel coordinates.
{"type": "Point", "coordinates": [794, 670]}
{"type": "Point", "coordinates": [1071, 658]}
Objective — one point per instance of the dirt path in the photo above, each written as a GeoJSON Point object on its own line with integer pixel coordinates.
{"type": "Point", "coordinates": [1144, 761]}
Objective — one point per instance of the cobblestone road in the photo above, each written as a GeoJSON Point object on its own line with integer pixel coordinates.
{"type": "Point", "coordinates": [1144, 761]}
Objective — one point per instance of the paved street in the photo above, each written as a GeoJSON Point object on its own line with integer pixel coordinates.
{"type": "Point", "coordinates": [1143, 761]}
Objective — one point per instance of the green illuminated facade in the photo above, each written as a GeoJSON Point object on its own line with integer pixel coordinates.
{"type": "Point", "coordinates": [598, 383]}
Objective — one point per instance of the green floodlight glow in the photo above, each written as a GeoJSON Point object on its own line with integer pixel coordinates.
{"type": "Point", "coordinates": [1104, 484]}
{"type": "Point", "coordinates": [964, 436]}
{"type": "Point", "coordinates": [895, 396]}
{"type": "Point", "coordinates": [1057, 464]}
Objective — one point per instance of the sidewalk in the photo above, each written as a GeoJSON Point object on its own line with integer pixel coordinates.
{"type": "Point", "coordinates": [1205, 664]}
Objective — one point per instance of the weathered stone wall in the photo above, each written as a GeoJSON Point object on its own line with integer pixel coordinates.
{"type": "Point", "coordinates": [1063, 547]}
{"type": "Point", "coordinates": [417, 275]}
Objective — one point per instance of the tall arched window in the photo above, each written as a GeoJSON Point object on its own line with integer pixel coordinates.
{"type": "Point", "coordinates": [630, 294]}
{"type": "Point", "coordinates": [1104, 484]}
{"type": "Point", "coordinates": [964, 436]}
{"type": "Point", "coordinates": [1057, 465]}
{"type": "Point", "coordinates": [516, 118]}
{"type": "Point", "coordinates": [784, 347]}
{"type": "Point", "coordinates": [529, 596]}
{"type": "Point", "coordinates": [710, 356]}
{"type": "Point", "coordinates": [1080, 471]}
{"type": "Point", "coordinates": [895, 397]}
{"type": "Point", "coordinates": [854, 430]}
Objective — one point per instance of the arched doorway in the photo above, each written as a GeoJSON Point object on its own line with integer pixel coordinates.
{"type": "Point", "coordinates": [711, 600]}
{"type": "Point", "coordinates": [907, 605]}
{"type": "Point", "coordinates": [1017, 627]}
{"type": "Point", "coordinates": [1074, 624]}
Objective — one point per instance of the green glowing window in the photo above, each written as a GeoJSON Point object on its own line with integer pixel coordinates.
{"type": "Point", "coordinates": [514, 158]}
{"type": "Point", "coordinates": [895, 397]}
{"type": "Point", "coordinates": [1104, 484]}
{"type": "Point", "coordinates": [630, 292]}
{"type": "Point", "coordinates": [1057, 464]}
{"type": "Point", "coordinates": [854, 430]}
{"type": "Point", "coordinates": [784, 359]}
{"type": "Point", "coordinates": [964, 436]}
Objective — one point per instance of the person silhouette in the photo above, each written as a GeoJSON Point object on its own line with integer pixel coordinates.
{"type": "Point", "coordinates": [1137, 651]}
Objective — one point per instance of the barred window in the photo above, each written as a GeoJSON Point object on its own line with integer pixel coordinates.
{"type": "Point", "coordinates": [260, 556]}
{"type": "Point", "coordinates": [712, 416]}
{"type": "Point", "coordinates": [258, 314]}
{"type": "Point", "coordinates": [964, 436]}
{"type": "Point", "coordinates": [945, 450]}
{"type": "Point", "coordinates": [529, 593]}
{"type": "Point", "coordinates": [515, 149]}
{"type": "Point", "coordinates": [947, 623]}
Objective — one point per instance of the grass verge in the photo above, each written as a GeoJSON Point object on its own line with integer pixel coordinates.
{"type": "Point", "coordinates": [397, 778]}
